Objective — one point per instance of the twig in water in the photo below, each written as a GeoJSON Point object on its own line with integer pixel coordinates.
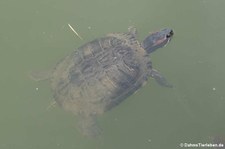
{"type": "Point", "coordinates": [75, 32]}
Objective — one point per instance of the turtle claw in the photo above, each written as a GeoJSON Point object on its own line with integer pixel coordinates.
{"type": "Point", "coordinates": [132, 30]}
{"type": "Point", "coordinates": [160, 79]}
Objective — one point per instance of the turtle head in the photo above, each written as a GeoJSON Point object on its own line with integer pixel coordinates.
{"type": "Point", "coordinates": [157, 40]}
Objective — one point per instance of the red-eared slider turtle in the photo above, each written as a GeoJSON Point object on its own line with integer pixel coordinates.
{"type": "Point", "coordinates": [102, 73]}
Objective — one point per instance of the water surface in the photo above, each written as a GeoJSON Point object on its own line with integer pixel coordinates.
{"type": "Point", "coordinates": [34, 35]}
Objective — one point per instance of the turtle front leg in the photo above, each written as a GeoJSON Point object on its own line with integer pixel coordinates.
{"type": "Point", "coordinates": [160, 79]}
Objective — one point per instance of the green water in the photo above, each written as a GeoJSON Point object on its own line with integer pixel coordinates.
{"type": "Point", "coordinates": [34, 35]}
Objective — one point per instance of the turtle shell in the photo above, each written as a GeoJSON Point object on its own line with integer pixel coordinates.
{"type": "Point", "coordinates": [100, 74]}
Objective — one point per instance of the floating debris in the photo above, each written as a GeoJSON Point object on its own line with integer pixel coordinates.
{"type": "Point", "coordinates": [75, 32]}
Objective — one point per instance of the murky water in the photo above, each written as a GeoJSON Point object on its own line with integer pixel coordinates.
{"type": "Point", "coordinates": [34, 35]}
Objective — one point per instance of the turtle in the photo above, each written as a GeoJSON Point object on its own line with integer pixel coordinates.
{"type": "Point", "coordinates": [102, 73]}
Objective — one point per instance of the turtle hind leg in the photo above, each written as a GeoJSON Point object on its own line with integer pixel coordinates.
{"type": "Point", "coordinates": [160, 79]}
{"type": "Point", "coordinates": [88, 126]}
